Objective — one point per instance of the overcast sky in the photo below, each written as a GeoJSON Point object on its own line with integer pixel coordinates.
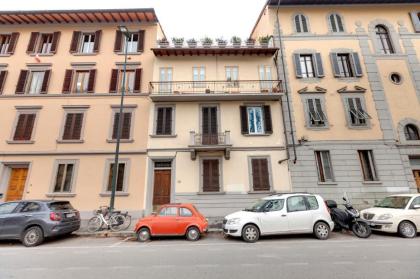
{"type": "Point", "coordinates": [179, 18]}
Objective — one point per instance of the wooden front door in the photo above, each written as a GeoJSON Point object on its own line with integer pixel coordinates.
{"type": "Point", "coordinates": [211, 177]}
{"type": "Point", "coordinates": [417, 178]}
{"type": "Point", "coordinates": [209, 126]}
{"type": "Point", "coordinates": [161, 188]}
{"type": "Point", "coordinates": [16, 184]}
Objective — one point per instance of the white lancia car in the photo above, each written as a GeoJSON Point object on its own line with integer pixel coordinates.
{"type": "Point", "coordinates": [281, 214]}
{"type": "Point", "coordinates": [396, 214]}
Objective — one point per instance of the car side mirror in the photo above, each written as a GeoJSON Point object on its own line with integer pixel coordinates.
{"type": "Point", "coordinates": [416, 206]}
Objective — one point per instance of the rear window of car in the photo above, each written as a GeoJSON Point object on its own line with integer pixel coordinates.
{"type": "Point", "coordinates": [60, 206]}
{"type": "Point", "coordinates": [312, 202]}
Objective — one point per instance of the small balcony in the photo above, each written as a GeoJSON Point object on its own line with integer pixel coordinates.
{"type": "Point", "coordinates": [210, 143]}
{"type": "Point", "coordinates": [231, 90]}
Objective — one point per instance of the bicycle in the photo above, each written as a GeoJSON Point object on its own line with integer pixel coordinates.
{"type": "Point", "coordinates": [115, 220]}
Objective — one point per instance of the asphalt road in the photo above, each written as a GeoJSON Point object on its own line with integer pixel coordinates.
{"type": "Point", "coordinates": [342, 256]}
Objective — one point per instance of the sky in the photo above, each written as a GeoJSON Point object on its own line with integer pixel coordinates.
{"type": "Point", "coordinates": [179, 18]}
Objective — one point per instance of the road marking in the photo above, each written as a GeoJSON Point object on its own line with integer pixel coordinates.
{"type": "Point", "coordinates": [76, 268]}
{"type": "Point", "coordinates": [121, 242]}
{"type": "Point", "coordinates": [267, 256]}
{"type": "Point", "coordinates": [161, 266]}
{"type": "Point", "coordinates": [206, 265]}
{"type": "Point", "coordinates": [34, 268]}
{"type": "Point", "coordinates": [250, 264]}
{"type": "Point", "coordinates": [296, 264]}
{"type": "Point", "coordinates": [343, 262]}
{"type": "Point", "coordinates": [387, 261]}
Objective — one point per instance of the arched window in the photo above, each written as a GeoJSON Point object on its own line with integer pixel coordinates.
{"type": "Point", "coordinates": [384, 39]}
{"type": "Point", "coordinates": [336, 23]}
{"type": "Point", "coordinates": [301, 24]}
{"type": "Point", "coordinates": [411, 132]}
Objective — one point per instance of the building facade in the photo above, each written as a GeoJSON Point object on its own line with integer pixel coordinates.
{"type": "Point", "coordinates": [351, 74]}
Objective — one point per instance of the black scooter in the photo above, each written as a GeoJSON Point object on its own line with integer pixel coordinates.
{"type": "Point", "coordinates": [348, 219]}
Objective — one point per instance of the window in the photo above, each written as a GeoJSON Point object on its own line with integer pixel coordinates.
{"type": "Point", "coordinates": [411, 132]}
{"type": "Point", "coordinates": [129, 81]}
{"type": "Point", "coordinates": [232, 73]}
{"type": "Point", "coordinates": [120, 177]}
{"type": "Point", "coordinates": [24, 127]}
{"type": "Point", "coordinates": [384, 39]}
{"type": "Point", "coordinates": [87, 43]}
{"type": "Point", "coordinates": [211, 175]}
{"type": "Point", "coordinates": [336, 23]}
{"type": "Point", "coordinates": [64, 178]}
{"type": "Point", "coordinates": [199, 76]}
{"type": "Point", "coordinates": [273, 205]}
{"type": "Point", "coordinates": [344, 65]}
{"type": "Point", "coordinates": [316, 115]}
{"type": "Point", "coordinates": [260, 174]}
{"type": "Point", "coordinates": [356, 113]}
{"type": "Point", "coordinates": [81, 82]}
{"type": "Point", "coordinates": [132, 81]}
{"type": "Point", "coordinates": [265, 77]}
{"type": "Point", "coordinates": [132, 42]}
{"type": "Point", "coordinates": [169, 211]}
{"type": "Point", "coordinates": [164, 121]}
{"type": "Point", "coordinates": [35, 84]}
{"type": "Point", "coordinates": [323, 162]}
{"type": "Point", "coordinates": [73, 126]}
{"type": "Point", "coordinates": [8, 208]}
{"type": "Point", "coordinates": [312, 203]}
{"type": "Point", "coordinates": [185, 212]}
{"type": "Point", "coordinates": [296, 204]}
{"type": "Point", "coordinates": [415, 18]}
{"type": "Point", "coordinates": [307, 66]}
{"type": "Point", "coordinates": [368, 165]}
{"type": "Point", "coordinates": [256, 120]}
{"type": "Point", "coordinates": [45, 43]}
{"type": "Point", "coordinates": [165, 78]}
{"type": "Point", "coordinates": [395, 78]}
{"type": "Point", "coordinates": [31, 207]}
{"type": "Point", "coordinates": [4, 43]}
{"type": "Point", "coordinates": [416, 201]}
{"type": "Point", "coordinates": [301, 24]}
{"type": "Point", "coordinates": [126, 126]}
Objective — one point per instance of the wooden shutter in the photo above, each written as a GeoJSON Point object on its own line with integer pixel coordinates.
{"type": "Point", "coordinates": [20, 87]}
{"type": "Point", "coordinates": [137, 81]}
{"type": "Point", "coordinates": [416, 21]}
{"type": "Point", "coordinates": [319, 66]}
{"type": "Point", "coordinates": [75, 41]}
{"type": "Point", "coordinates": [24, 127]}
{"type": "Point", "coordinates": [160, 121]}
{"type": "Point", "coordinates": [32, 42]}
{"type": "Point", "coordinates": [304, 24]}
{"type": "Point", "coordinates": [298, 68]}
{"type": "Point", "coordinates": [356, 63]}
{"type": "Point", "coordinates": [297, 24]}
{"type": "Point", "coordinates": [140, 45]}
{"type": "Point", "coordinates": [68, 77]}
{"type": "Point", "coordinates": [334, 62]}
{"type": "Point", "coordinates": [97, 41]}
{"type": "Point", "coordinates": [168, 121]}
{"type": "Point", "coordinates": [73, 126]}
{"type": "Point", "coordinates": [54, 44]}
{"type": "Point", "coordinates": [67, 133]}
{"type": "Point", "coordinates": [244, 120]}
{"type": "Point", "coordinates": [115, 125]}
{"type": "Point", "coordinates": [13, 41]}
{"type": "Point", "coordinates": [91, 82]}
{"type": "Point", "coordinates": [45, 82]}
{"type": "Point", "coordinates": [210, 175]}
{"type": "Point", "coordinates": [120, 177]}
{"type": "Point", "coordinates": [113, 85]}
{"type": "Point", "coordinates": [332, 22]}
{"type": "Point", "coordinates": [260, 175]}
{"type": "Point", "coordinates": [267, 120]}
{"type": "Point", "coordinates": [3, 75]}
{"type": "Point", "coordinates": [118, 41]}
{"type": "Point", "coordinates": [125, 132]}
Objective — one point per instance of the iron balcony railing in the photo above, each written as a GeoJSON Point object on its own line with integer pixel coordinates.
{"type": "Point", "coordinates": [216, 87]}
{"type": "Point", "coordinates": [202, 139]}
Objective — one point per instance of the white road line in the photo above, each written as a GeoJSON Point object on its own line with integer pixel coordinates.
{"type": "Point", "coordinates": [121, 242]}
{"type": "Point", "coordinates": [387, 261]}
{"type": "Point", "coordinates": [294, 264]}
{"type": "Point", "coordinates": [161, 266]}
{"type": "Point", "coordinates": [250, 264]}
{"type": "Point", "coordinates": [34, 268]}
{"type": "Point", "coordinates": [206, 265]}
{"type": "Point", "coordinates": [343, 262]}
{"type": "Point", "coordinates": [76, 268]}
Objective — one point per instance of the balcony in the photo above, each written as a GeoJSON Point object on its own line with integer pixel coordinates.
{"type": "Point", "coordinates": [252, 90]}
{"type": "Point", "coordinates": [210, 143]}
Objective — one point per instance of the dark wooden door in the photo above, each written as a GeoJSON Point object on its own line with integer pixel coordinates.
{"type": "Point", "coordinates": [211, 181]}
{"type": "Point", "coordinates": [209, 126]}
{"type": "Point", "coordinates": [417, 179]}
{"type": "Point", "coordinates": [161, 188]}
{"type": "Point", "coordinates": [16, 184]}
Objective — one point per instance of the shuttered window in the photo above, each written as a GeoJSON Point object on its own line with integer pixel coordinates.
{"type": "Point", "coordinates": [3, 76]}
{"type": "Point", "coordinates": [323, 162]}
{"type": "Point", "coordinates": [33, 82]}
{"type": "Point", "coordinates": [336, 23]}
{"type": "Point", "coordinates": [79, 81]}
{"type": "Point", "coordinates": [368, 165]}
{"type": "Point", "coordinates": [135, 42]}
{"type": "Point", "coordinates": [164, 121]}
{"type": "Point", "coordinates": [346, 64]}
{"type": "Point", "coordinates": [64, 178]}
{"type": "Point", "coordinates": [301, 24]}
{"type": "Point", "coordinates": [384, 39]}
{"type": "Point", "coordinates": [8, 43]}
{"type": "Point", "coordinates": [211, 175]}
{"type": "Point", "coordinates": [357, 114]}
{"type": "Point", "coordinates": [308, 65]}
{"type": "Point", "coordinates": [411, 132]}
{"type": "Point", "coordinates": [256, 120]}
{"type": "Point", "coordinates": [24, 126]}
{"type": "Point", "coordinates": [73, 126]}
{"type": "Point", "coordinates": [316, 114]}
{"type": "Point", "coordinates": [120, 177]}
{"type": "Point", "coordinates": [126, 125]}
{"type": "Point", "coordinates": [415, 19]}
{"type": "Point", "coordinates": [260, 174]}
{"type": "Point", "coordinates": [45, 43]}
{"type": "Point", "coordinates": [86, 43]}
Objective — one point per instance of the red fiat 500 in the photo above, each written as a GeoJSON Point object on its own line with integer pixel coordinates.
{"type": "Point", "coordinates": [172, 219]}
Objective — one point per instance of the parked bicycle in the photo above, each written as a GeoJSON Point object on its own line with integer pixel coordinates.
{"type": "Point", "coordinates": [115, 220]}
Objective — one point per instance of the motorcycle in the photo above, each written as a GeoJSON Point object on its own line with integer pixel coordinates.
{"type": "Point", "coordinates": [348, 219]}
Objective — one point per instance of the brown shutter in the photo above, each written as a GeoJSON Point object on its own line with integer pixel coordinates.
{"type": "Point", "coordinates": [97, 41]}
{"type": "Point", "coordinates": [267, 120]}
{"type": "Point", "coordinates": [260, 176]}
{"type": "Point", "coordinates": [77, 126]}
{"type": "Point", "coordinates": [244, 120]}
{"type": "Point", "coordinates": [13, 41]}
{"type": "Point", "coordinates": [91, 82]}
{"type": "Point", "coordinates": [67, 133]}
{"type": "Point", "coordinates": [115, 126]}
{"type": "Point", "coordinates": [24, 127]}
{"type": "Point", "coordinates": [3, 75]}
{"type": "Point", "coordinates": [68, 77]}
{"type": "Point", "coordinates": [120, 177]}
{"type": "Point", "coordinates": [118, 41]}
{"type": "Point", "coordinates": [168, 121]}
{"type": "Point", "coordinates": [54, 44]}
{"type": "Point", "coordinates": [113, 86]}
{"type": "Point", "coordinates": [20, 128]}
{"type": "Point", "coordinates": [45, 82]}
{"type": "Point", "coordinates": [140, 45]}
{"type": "Point", "coordinates": [30, 120]}
{"type": "Point", "coordinates": [20, 87]}
{"type": "Point", "coordinates": [211, 175]}
{"type": "Point", "coordinates": [159, 121]}
{"type": "Point", "coordinates": [75, 41]}
{"type": "Point", "coordinates": [137, 81]}
{"type": "Point", "coordinates": [32, 42]}
{"type": "Point", "coordinates": [125, 132]}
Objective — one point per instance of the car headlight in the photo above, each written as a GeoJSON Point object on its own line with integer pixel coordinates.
{"type": "Point", "coordinates": [385, 217]}
{"type": "Point", "coordinates": [233, 221]}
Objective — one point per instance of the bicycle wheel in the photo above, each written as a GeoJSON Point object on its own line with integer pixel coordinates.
{"type": "Point", "coordinates": [127, 222]}
{"type": "Point", "coordinates": [94, 224]}
{"type": "Point", "coordinates": [116, 222]}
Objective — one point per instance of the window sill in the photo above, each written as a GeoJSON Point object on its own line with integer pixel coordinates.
{"type": "Point", "coordinates": [309, 79]}
{"type": "Point", "coordinates": [367, 127]}
{"type": "Point", "coordinates": [349, 79]}
{"type": "Point", "coordinates": [70, 141]}
{"type": "Point", "coordinates": [117, 194]}
{"type": "Point", "coordinates": [261, 192]}
{"type": "Point", "coordinates": [5, 55]}
{"type": "Point", "coordinates": [316, 128]}
{"type": "Point", "coordinates": [257, 135]}
{"type": "Point", "coordinates": [372, 182]}
{"type": "Point", "coordinates": [41, 54]}
{"type": "Point", "coordinates": [163, 136]}
{"type": "Point", "coordinates": [20, 141]}
{"type": "Point", "coordinates": [331, 183]}
{"type": "Point", "coordinates": [121, 141]}
{"type": "Point", "coordinates": [211, 193]}
{"type": "Point", "coordinates": [84, 54]}
{"type": "Point", "coordinates": [62, 195]}
{"type": "Point", "coordinates": [129, 53]}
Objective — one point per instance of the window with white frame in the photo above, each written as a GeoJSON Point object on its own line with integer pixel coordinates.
{"type": "Point", "coordinates": [130, 78]}
{"type": "Point", "coordinates": [316, 115]}
{"type": "Point", "coordinates": [357, 115]}
{"type": "Point", "coordinates": [301, 24]}
{"type": "Point", "coordinates": [265, 77]}
{"type": "Point", "coordinates": [81, 81]}
{"type": "Point", "coordinates": [232, 74]}
{"type": "Point", "coordinates": [35, 82]}
{"type": "Point", "coordinates": [64, 177]}
{"type": "Point", "coordinates": [87, 43]}
{"type": "Point", "coordinates": [255, 120]}
{"type": "Point", "coordinates": [132, 42]}
{"type": "Point", "coordinates": [307, 65]}
{"type": "Point", "coordinates": [368, 165]}
{"type": "Point", "coordinates": [323, 161]}
{"type": "Point", "coordinates": [199, 76]}
{"type": "Point", "coordinates": [384, 39]}
{"type": "Point", "coordinates": [4, 43]}
{"type": "Point", "coordinates": [165, 79]}
{"type": "Point", "coordinates": [45, 43]}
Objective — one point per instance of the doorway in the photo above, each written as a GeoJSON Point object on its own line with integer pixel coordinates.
{"type": "Point", "coordinates": [16, 184]}
{"type": "Point", "coordinates": [416, 174]}
{"type": "Point", "coordinates": [161, 183]}
{"type": "Point", "coordinates": [209, 125]}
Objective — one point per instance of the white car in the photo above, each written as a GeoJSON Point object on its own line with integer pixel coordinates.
{"type": "Point", "coordinates": [395, 214]}
{"type": "Point", "coordinates": [281, 214]}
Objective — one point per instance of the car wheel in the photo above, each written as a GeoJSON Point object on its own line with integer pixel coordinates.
{"type": "Point", "coordinates": [143, 235]}
{"type": "Point", "coordinates": [32, 237]}
{"type": "Point", "coordinates": [250, 233]}
{"type": "Point", "coordinates": [193, 234]}
{"type": "Point", "coordinates": [407, 229]}
{"type": "Point", "coordinates": [322, 230]}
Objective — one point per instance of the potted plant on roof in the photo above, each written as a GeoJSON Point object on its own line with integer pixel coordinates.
{"type": "Point", "coordinates": [236, 41]}
{"type": "Point", "coordinates": [207, 42]}
{"type": "Point", "coordinates": [250, 42]}
{"type": "Point", "coordinates": [178, 42]}
{"type": "Point", "coordinates": [192, 43]}
{"type": "Point", "coordinates": [163, 43]}
{"type": "Point", "coordinates": [264, 40]}
{"type": "Point", "coordinates": [221, 42]}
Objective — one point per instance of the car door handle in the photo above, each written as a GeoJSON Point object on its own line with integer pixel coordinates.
{"type": "Point", "coordinates": [28, 215]}
{"type": "Point", "coordinates": [283, 215]}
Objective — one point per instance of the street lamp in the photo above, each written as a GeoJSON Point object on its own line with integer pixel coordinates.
{"type": "Point", "coordinates": [126, 34]}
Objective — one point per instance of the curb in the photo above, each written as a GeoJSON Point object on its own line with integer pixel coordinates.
{"type": "Point", "coordinates": [105, 234]}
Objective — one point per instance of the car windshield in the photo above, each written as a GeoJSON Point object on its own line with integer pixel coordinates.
{"type": "Point", "coordinates": [399, 202]}
{"type": "Point", "coordinates": [256, 207]}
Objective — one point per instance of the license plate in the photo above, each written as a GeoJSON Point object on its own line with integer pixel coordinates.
{"type": "Point", "coordinates": [70, 215]}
